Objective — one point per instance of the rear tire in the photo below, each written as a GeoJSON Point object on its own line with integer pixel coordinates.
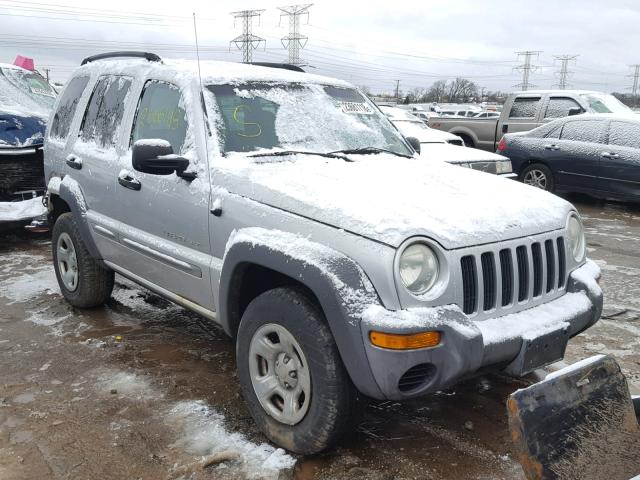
{"type": "Point", "coordinates": [83, 281]}
{"type": "Point", "coordinates": [538, 175]}
{"type": "Point", "coordinates": [321, 415]}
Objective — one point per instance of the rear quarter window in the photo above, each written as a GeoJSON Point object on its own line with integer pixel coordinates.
{"type": "Point", "coordinates": [624, 134]}
{"type": "Point", "coordinates": [105, 110]}
{"type": "Point", "coordinates": [67, 107]}
{"type": "Point", "coordinates": [524, 107]}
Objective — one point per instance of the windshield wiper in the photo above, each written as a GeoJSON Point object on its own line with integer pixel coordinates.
{"type": "Point", "coordinates": [284, 153]}
{"type": "Point", "coordinates": [366, 150]}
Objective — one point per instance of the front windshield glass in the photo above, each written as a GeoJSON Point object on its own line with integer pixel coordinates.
{"type": "Point", "coordinates": [318, 118]}
{"type": "Point", "coordinates": [605, 103]}
{"type": "Point", "coordinates": [25, 91]}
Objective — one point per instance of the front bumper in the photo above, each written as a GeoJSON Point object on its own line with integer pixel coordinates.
{"type": "Point", "coordinates": [516, 343]}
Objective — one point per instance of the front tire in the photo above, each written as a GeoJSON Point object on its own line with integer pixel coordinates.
{"type": "Point", "coordinates": [84, 283]}
{"type": "Point", "coordinates": [539, 176]}
{"type": "Point", "coordinates": [291, 374]}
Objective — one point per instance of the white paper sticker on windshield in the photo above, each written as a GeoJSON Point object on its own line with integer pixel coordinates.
{"type": "Point", "coordinates": [42, 91]}
{"type": "Point", "coordinates": [355, 107]}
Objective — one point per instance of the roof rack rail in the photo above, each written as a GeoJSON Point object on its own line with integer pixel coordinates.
{"type": "Point", "coordinates": [152, 57]}
{"type": "Point", "coordinates": [284, 66]}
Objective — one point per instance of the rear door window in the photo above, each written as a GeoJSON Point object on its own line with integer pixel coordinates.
{"type": "Point", "coordinates": [105, 111]}
{"type": "Point", "coordinates": [161, 115]}
{"type": "Point", "coordinates": [559, 107]}
{"type": "Point", "coordinates": [524, 107]}
{"type": "Point", "coordinates": [624, 134]}
{"type": "Point", "coordinates": [582, 131]}
{"type": "Point", "coordinates": [67, 107]}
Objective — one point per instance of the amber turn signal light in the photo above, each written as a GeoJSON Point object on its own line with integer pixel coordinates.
{"type": "Point", "coordinates": [395, 341]}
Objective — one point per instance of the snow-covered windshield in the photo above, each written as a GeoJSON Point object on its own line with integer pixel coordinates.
{"type": "Point", "coordinates": [295, 116]}
{"type": "Point", "coordinates": [25, 92]}
{"type": "Point", "coordinates": [605, 103]}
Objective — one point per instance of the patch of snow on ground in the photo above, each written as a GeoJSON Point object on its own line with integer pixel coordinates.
{"type": "Point", "coordinates": [127, 384]}
{"type": "Point", "coordinates": [25, 287]}
{"type": "Point", "coordinates": [205, 434]}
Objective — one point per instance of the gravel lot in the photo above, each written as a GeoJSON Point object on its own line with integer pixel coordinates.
{"type": "Point", "coordinates": [143, 389]}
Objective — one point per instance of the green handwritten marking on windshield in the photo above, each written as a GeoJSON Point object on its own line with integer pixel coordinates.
{"type": "Point", "coordinates": [168, 119]}
{"type": "Point", "coordinates": [241, 122]}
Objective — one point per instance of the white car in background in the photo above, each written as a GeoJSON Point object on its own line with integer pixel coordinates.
{"type": "Point", "coordinates": [449, 148]}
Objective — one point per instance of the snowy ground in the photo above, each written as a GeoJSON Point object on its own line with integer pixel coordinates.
{"type": "Point", "coordinates": [144, 389]}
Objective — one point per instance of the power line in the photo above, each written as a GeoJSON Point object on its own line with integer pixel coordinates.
{"type": "Point", "coordinates": [564, 69]}
{"type": "Point", "coordinates": [294, 41]}
{"type": "Point", "coordinates": [247, 42]}
{"type": "Point", "coordinates": [526, 68]}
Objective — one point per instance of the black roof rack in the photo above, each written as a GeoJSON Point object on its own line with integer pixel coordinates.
{"type": "Point", "coordinates": [284, 66]}
{"type": "Point", "coordinates": [152, 57]}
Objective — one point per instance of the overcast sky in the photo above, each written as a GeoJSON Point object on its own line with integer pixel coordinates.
{"type": "Point", "coordinates": [371, 43]}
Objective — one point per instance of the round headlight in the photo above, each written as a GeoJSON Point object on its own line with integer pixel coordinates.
{"type": "Point", "coordinates": [419, 268]}
{"type": "Point", "coordinates": [575, 232]}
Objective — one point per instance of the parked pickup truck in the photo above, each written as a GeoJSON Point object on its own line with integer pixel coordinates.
{"type": "Point", "coordinates": [525, 111]}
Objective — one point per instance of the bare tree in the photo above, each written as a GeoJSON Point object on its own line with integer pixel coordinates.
{"type": "Point", "coordinates": [462, 90]}
{"type": "Point", "coordinates": [437, 91]}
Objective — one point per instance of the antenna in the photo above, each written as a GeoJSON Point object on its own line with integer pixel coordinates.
{"type": "Point", "coordinates": [195, 34]}
{"type": "Point", "coordinates": [204, 108]}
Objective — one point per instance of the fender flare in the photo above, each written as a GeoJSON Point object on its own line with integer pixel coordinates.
{"type": "Point", "coordinates": [70, 192]}
{"type": "Point", "coordinates": [338, 283]}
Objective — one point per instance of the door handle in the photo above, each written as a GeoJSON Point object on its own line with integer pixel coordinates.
{"type": "Point", "coordinates": [609, 155]}
{"type": "Point", "coordinates": [129, 181]}
{"type": "Point", "coordinates": [552, 147]}
{"type": "Point", "coordinates": [505, 128]}
{"type": "Point", "coordinates": [74, 162]}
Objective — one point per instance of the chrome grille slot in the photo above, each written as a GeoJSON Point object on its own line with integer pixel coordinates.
{"type": "Point", "coordinates": [527, 271]}
{"type": "Point", "coordinates": [488, 280]}
{"type": "Point", "coordinates": [469, 284]}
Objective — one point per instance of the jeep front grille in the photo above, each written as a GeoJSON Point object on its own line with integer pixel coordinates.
{"type": "Point", "coordinates": [509, 277]}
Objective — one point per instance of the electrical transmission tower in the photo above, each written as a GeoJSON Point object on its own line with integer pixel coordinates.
{"type": "Point", "coordinates": [247, 42]}
{"type": "Point", "coordinates": [636, 83]}
{"type": "Point", "coordinates": [295, 40]}
{"type": "Point", "coordinates": [563, 74]}
{"type": "Point", "coordinates": [526, 68]}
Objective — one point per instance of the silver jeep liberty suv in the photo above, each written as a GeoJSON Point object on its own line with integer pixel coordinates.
{"type": "Point", "coordinates": [287, 208]}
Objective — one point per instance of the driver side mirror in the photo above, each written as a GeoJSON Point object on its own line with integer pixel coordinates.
{"type": "Point", "coordinates": [156, 157]}
{"type": "Point", "coordinates": [575, 111]}
{"type": "Point", "coordinates": [415, 143]}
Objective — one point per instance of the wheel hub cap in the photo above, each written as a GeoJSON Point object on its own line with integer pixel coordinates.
{"type": "Point", "coordinates": [67, 262]}
{"type": "Point", "coordinates": [536, 178]}
{"type": "Point", "coordinates": [280, 374]}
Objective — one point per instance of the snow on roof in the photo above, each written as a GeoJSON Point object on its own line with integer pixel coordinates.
{"type": "Point", "coordinates": [212, 71]}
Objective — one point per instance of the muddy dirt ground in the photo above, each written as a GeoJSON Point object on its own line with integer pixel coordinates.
{"type": "Point", "coordinates": [142, 389]}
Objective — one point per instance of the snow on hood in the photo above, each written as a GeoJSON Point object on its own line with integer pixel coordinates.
{"type": "Point", "coordinates": [456, 154]}
{"type": "Point", "coordinates": [423, 133]}
{"type": "Point", "coordinates": [389, 198]}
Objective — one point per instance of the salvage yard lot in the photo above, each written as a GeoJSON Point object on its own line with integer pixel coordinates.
{"type": "Point", "coordinates": [144, 389]}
